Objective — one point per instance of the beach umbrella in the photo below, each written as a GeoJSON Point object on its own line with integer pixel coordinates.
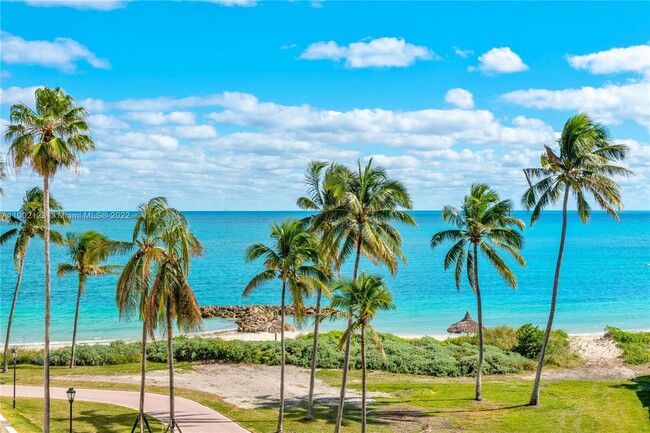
{"type": "Point", "coordinates": [275, 326]}
{"type": "Point", "coordinates": [467, 325]}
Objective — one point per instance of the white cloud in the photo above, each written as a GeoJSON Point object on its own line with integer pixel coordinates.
{"type": "Point", "coordinates": [462, 53]}
{"type": "Point", "coordinates": [631, 59]}
{"type": "Point", "coordinates": [460, 98]}
{"type": "Point", "coordinates": [63, 53]}
{"type": "Point", "coordinates": [610, 103]}
{"type": "Point", "coordinates": [194, 132]}
{"type": "Point", "coordinates": [499, 61]}
{"type": "Point", "coordinates": [103, 121]}
{"type": "Point", "coordinates": [100, 5]}
{"type": "Point", "coordinates": [376, 53]}
{"type": "Point", "coordinates": [14, 94]}
{"type": "Point", "coordinates": [160, 118]}
{"type": "Point", "coordinates": [149, 141]}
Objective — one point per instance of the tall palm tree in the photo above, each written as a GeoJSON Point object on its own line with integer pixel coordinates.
{"type": "Point", "coordinates": [87, 251]}
{"type": "Point", "coordinates": [132, 291]}
{"type": "Point", "coordinates": [368, 202]}
{"type": "Point", "coordinates": [47, 139]}
{"type": "Point", "coordinates": [172, 298]}
{"type": "Point", "coordinates": [290, 259]}
{"type": "Point", "coordinates": [29, 226]}
{"type": "Point", "coordinates": [483, 223]}
{"type": "Point", "coordinates": [360, 300]}
{"type": "Point", "coordinates": [319, 198]}
{"type": "Point", "coordinates": [584, 165]}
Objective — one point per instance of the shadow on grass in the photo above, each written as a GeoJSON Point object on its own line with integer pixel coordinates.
{"type": "Point", "coordinates": [641, 386]}
{"type": "Point", "coordinates": [116, 423]}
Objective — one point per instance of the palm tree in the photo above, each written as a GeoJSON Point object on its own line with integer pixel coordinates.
{"type": "Point", "coordinates": [87, 251]}
{"type": "Point", "coordinates": [360, 300]}
{"type": "Point", "coordinates": [584, 165]}
{"type": "Point", "coordinates": [172, 297]}
{"type": "Point", "coordinates": [3, 175]}
{"type": "Point", "coordinates": [132, 291]}
{"type": "Point", "coordinates": [368, 202]}
{"type": "Point", "coordinates": [30, 225]}
{"type": "Point", "coordinates": [48, 139]}
{"type": "Point", "coordinates": [319, 199]}
{"type": "Point", "coordinates": [483, 222]}
{"type": "Point", "coordinates": [294, 246]}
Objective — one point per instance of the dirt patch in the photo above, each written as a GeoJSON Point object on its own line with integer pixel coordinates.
{"type": "Point", "coordinates": [246, 386]}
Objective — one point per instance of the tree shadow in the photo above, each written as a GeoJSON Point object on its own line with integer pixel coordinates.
{"type": "Point", "coordinates": [116, 423]}
{"type": "Point", "coordinates": [641, 387]}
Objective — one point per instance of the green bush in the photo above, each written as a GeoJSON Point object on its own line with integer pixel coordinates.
{"type": "Point", "coordinates": [114, 353]}
{"type": "Point", "coordinates": [635, 345]}
{"type": "Point", "coordinates": [529, 341]}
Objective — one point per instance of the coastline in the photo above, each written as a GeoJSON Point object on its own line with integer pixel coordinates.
{"type": "Point", "coordinates": [233, 334]}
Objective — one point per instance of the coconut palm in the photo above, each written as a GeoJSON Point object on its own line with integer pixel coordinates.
{"type": "Point", "coordinates": [172, 298]}
{"type": "Point", "coordinates": [584, 166]}
{"type": "Point", "coordinates": [87, 251]}
{"type": "Point", "coordinates": [47, 139]}
{"type": "Point", "coordinates": [360, 300]}
{"type": "Point", "coordinates": [132, 291]}
{"type": "Point", "coordinates": [30, 224]}
{"type": "Point", "coordinates": [319, 199]}
{"type": "Point", "coordinates": [287, 259]}
{"type": "Point", "coordinates": [483, 223]}
{"type": "Point", "coordinates": [368, 202]}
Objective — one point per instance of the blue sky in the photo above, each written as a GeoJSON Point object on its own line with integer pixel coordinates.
{"type": "Point", "coordinates": [221, 104]}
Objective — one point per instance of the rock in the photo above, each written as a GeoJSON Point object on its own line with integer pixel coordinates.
{"type": "Point", "coordinates": [254, 318]}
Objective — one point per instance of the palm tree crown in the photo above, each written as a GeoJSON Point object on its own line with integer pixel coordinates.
{"type": "Point", "coordinates": [584, 165]}
{"type": "Point", "coordinates": [483, 220]}
{"type": "Point", "coordinates": [87, 251]}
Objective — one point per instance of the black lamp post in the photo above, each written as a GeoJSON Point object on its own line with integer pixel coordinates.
{"type": "Point", "coordinates": [14, 354]}
{"type": "Point", "coordinates": [71, 392]}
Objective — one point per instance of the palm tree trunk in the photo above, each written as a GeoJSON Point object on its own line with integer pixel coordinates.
{"type": "Point", "coordinates": [363, 378]}
{"type": "Point", "coordinates": [281, 414]}
{"type": "Point", "coordinates": [11, 313]}
{"type": "Point", "coordinates": [534, 399]}
{"type": "Point", "coordinates": [143, 361]}
{"type": "Point", "coordinates": [479, 370]}
{"type": "Point", "coordinates": [46, 341]}
{"type": "Point", "coordinates": [314, 358]}
{"type": "Point", "coordinates": [76, 320]}
{"type": "Point", "coordinates": [170, 358]}
{"type": "Point", "coordinates": [348, 342]}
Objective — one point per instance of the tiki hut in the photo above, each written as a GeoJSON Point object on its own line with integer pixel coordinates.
{"type": "Point", "coordinates": [467, 326]}
{"type": "Point", "coordinates": [274, 327]}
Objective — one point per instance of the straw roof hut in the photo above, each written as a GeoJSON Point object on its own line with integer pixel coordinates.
{"type": "Point", "coordinates": [467, 326]}
{"type": "Point", "coordinates": [274, 327]}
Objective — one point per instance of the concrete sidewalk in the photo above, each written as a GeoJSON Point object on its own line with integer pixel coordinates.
{"type": "Point", "coordinates": [191, 416]}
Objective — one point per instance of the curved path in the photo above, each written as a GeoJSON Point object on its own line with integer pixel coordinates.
{"type": "Point", "coordinates": [191, 416]}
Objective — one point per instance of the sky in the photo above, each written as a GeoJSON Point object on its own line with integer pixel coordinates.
{"type": "Point", "coordinates": [220, 105]}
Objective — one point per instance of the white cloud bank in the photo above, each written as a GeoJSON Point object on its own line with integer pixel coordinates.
{"type": "Point", "coordinates": [499, 61]}
{"type": "Point", "coordinates": [99, 5]}
{"type": "Point", "coordinates": [460, 98]}
{"type": "Point", "coordinates": [630, 59]}
{"type": "Point", "coordinates": [376, 53]}
{"type": "Point", "coordinates": [63, 53]}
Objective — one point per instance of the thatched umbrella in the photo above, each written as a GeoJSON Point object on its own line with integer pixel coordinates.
{"type": "Point", "coordinates": [275, 326]}
{"type": "Point", "coordinates": [467, 325]}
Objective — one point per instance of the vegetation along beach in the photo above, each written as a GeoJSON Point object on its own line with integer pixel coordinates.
{"type": "Point", "coordinates": [276, 218]}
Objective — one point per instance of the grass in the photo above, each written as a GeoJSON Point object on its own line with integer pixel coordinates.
{"type": "Point", "coordinates": [416, 403]}
{"type": "Point", "coordinates": [87, 417]}
{"type": "Point", "coordinates": [635, 345]}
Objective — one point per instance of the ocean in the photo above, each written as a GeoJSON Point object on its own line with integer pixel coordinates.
{"type": "Point", "coordinates": [605, 278]}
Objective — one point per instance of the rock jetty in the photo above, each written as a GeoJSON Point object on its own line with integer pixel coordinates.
{"type": "Point", "coordinates": [254, 318]}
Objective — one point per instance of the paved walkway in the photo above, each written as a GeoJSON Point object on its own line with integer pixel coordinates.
{"type": "Point", "coordinates": [191, 416]}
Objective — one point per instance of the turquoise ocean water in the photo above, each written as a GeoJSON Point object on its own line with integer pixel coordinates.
{"type": "Point", "coordinates": [605, 278]}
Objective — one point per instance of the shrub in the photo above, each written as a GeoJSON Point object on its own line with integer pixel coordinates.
{"type": "Point", "coordinates": [529, 341]}
{"type": "Point", "coordinates": [635, 345]}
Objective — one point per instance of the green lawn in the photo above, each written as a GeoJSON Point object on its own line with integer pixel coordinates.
{"type": "Point", "coordinates": [417, 403]}
{"type": "Point", "coordinates": [87, 417]}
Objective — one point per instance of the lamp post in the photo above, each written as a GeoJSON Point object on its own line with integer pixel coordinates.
{"type": "Point", "coordinates": [71, 392]}
{"type": "Point", "coordinates": [14, 354]}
